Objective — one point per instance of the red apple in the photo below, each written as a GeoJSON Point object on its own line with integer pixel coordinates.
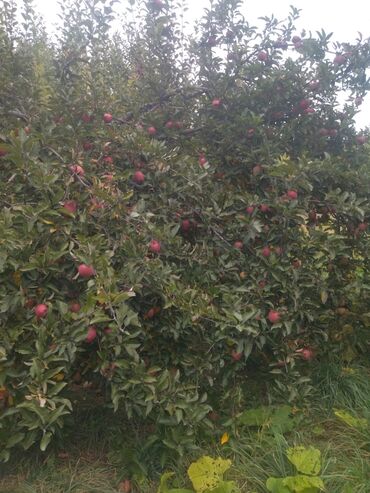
{"type": "Point", "coordinates": [262, 56]}
{"type": "Point", "coordinates": [41, 310]}
{"type": "Point", "coordinates": [158, 4]}
{"type": "Point", "coordinates": [333, 132]}
{"type": "Point", "coordinates": [339, 59]}
{"type": "Point", "coordinates": [170, 124]}
{"type": "Point", "coordinates": [86, 271]}
{"type": "Point", "coordinates": [86, 118]}
{"type": "Point", "coordinates": [108, 160]}
{"type": "Point", "coordinates": [292, 194]}
{"type": "Point", "coordinates": [362, 226]}
{"type": "Point", "coordinates": [304, 103]}
{"type": "Point", "coordinates": [358, 101]}
{"type": "Point", "coordinates": [324, 132]}
{"type": "Point", "coordinates": [257, 170]}
{"type": "Point", "coordinates": [361, 139]}
{"type": "Point", "coordinates": [309, 111]}
{"type": "Point", "coordinates": [238, 245]}
{"type": "Point", "coordinates": [313, 85]}
{"type": "Point", "coordinates": [74, 307]}
{"type": "Point", "coordinates": [202, 160]}
{"type": "Point", "coordinates": [185, 225]}
{"type": "Point", "coordinates": [76, 169]}
{"type": "Point", "coordinates": [91, 334]}
{"type": "Point", "coordinates": [138, 177]}
{"type": "Point", "coordinates": [266, 251]}
{"type": "Point", "coordinates": [216, 103]}
{"type": "Point", "coordinates": [249, 210]}
{"type": "Point", "coordinates": [264, 208]}
{"type": "Point", "coordinates": [235, 355]}
{"type": "Point", "coordinates": [155, 246]}
{"type": "Point", "coordinates": [107, 330]}
{"type": "Point", "coordinates": [296, 39]}
{"type": "Point", "coordinates": [152, 130]}
{"type": "Point", "coordinates": [250, 133]}
{"type": "Point", "coordinates": [107, 117]}
{"type": "Point", "coordinates": [70, 206]}
{"type": "Point", "coordinates": [87, 146]}
{"type": "Point", "coordinates": [306, 353]}
{"type": "Point", "coordinates": [273, 316]}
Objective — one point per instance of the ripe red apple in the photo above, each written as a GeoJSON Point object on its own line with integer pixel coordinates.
{"type": "Point", "coordinates": [361, 139]}
{"type": "Point", "coordinates": [185, 225]}
{"type": "Point", "coordinates": [86, 271]}
{"type": "Point", "coordinates": [155, 246]}
{"type": "Point", "coordinates": [362, 226]}
{"type": "Point", "coordinates": [152, 130]}
{"type": "Point", "coordinates": [108, 177]}
{"type": "Point", "coordinates": [91, 334]}
{"type": "Point", "coordinates": [74, 307]}
{"type": "Point", "coordinates": [266, 251]}
{"type": "Point", "coordinates": [324, 132]}
{"type": "Point", "coordinates": [257, 170]}
{"type": "Point", "coordinates": [238, 245]}
{"type": "Point", "coordinates": [264, 208]}
{"type": "Point", "coordinates": [292, 194]}
{"type": "Point", "coordinates": [108, 160]}
{"type": "Point", "coordinates": [249, 210]}
{"type": "Point", "coordinates": [202, 160]}
{"type": "Point", "coordinates": [87, 146]}
{"type": "Point", "coordinates": [216, 103]}
{"type": "Point", "coordinates": [170, 124]}
{"type": "Point", "coordinates": [339, 59]}
{"type": "Point", "coordinates": [235, 355]}
{"type": "Point", "coordinates": [86, 118]}
{"type": "Point", "coordinates": [262, 56]}
{"type": "Point", "coordinates": [273, 316]}
{"type": "Point", "coordinates": [107, 117]}
{"type": "Point", "coordinates": [278, 250]}
{"type": "Point", "coordinates": [281, 44]}
{"type": "Point", "coordinates": [70, 206]}
{"type": "Point", "coordinates": [313, 85]}
{"type": "Point", "coordinates": [250, 133]}
{"type": "Point", "coordinates": [41, 310]}
{"type": "Point", "coordinates": [304, 103]}
{"type": "Point", "coordinates": [138, 177]}
{"type": "Point", "coordinates": [306, 353]}
{"type": "Point", "coordinates": [77, 169]}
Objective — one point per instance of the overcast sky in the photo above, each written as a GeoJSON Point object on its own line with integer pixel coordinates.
{"type": "Point", "coordinates": [344, 18]}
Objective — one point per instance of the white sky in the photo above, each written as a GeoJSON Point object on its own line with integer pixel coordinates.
{"type": "Point", "coordinates": [344, 18]}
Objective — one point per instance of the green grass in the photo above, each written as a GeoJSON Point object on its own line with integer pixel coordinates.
{"type": "Point", "coordinates": [102, 448]}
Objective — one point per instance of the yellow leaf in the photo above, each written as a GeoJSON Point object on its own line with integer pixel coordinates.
{"type": "Point", "coordinates": [304, 230]}
{"type": "Point", "coordinates": [17, 278]}
{"type": "Point", "coordinates": [10, 401]}
{"type": "Point", "coordinates": [225, 438]}
{"type": "Point", "coordinates": [59, 377]}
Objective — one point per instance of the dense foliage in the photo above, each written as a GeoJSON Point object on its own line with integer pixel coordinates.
{"type": "Point", "coordinates": [178, 211]}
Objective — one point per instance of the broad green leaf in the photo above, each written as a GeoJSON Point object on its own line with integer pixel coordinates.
{"type": "Point", "coordinates": [164, 488]}
{"type": "Point", "coordinates": [225, 487]}
{"type": "Point", "coordinates": [275, 485]}
{"type": "Point", "coordinates": [255, 417]}
{"type": "Point", "coordinates": [206, 473]}
{"type": "Point", "coordinates": [304, 484]}
{"type": "Point", "coordinates": [306, 459]}
{"type": "Point", "coordinates": [45, 441]}
{"type": "Point", "coordinates": [358, 423]}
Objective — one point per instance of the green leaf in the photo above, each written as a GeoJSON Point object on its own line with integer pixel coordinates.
{"type": "Point", "coordinates": [206, 473]}
{"type": "Point", "coordinates": [225, 487]}
{"type": "Point", "coordinates": [275, 485]}
{"type": "Point", "coordinates": [303, 484]}
{"type": "Point", "coordinates": [358, 423]}
{"type": "Point", "coordinates": [164, 488]}
{"type": "Point", "coordinates": [306, 459]}
{"type": "Point", "coordinates": [255, 417]}
{"type": "Point", "coordinates": [45, 441]}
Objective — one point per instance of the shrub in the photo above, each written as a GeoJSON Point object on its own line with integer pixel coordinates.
{"type": "Point", "coordinates": [182, 208]}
